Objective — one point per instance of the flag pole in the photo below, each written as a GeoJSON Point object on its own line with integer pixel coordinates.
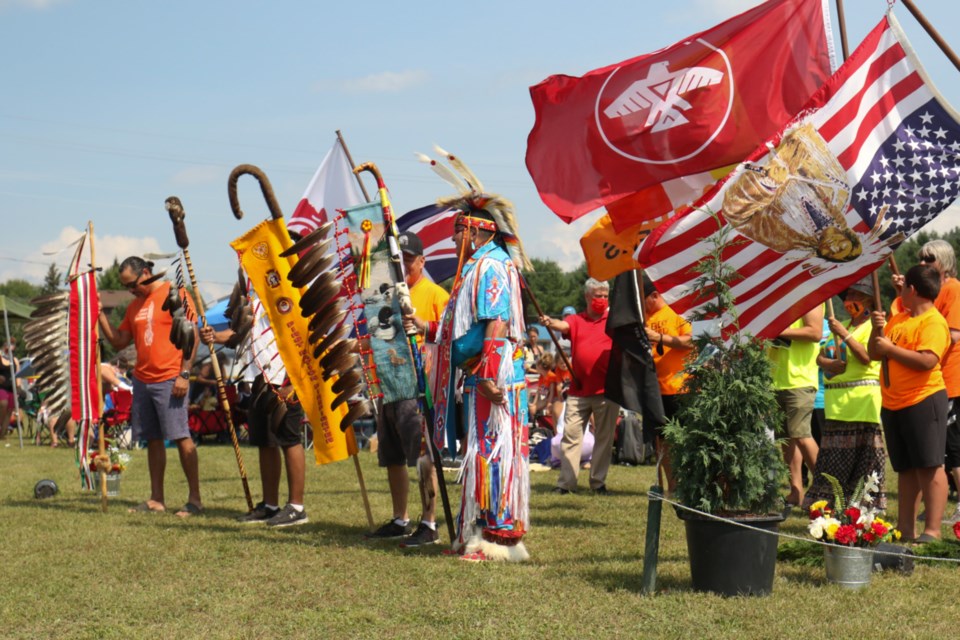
{"type": "Point", "coordinates": [540, 314]}
{"type": "Point", "coordinates": [933, 33]}
{"type": "Point", "coordinates": [842, 23]}
{"type": "Point", "coordinates": [346, 150]}
{"type": "Point", "coordinates": [101, 440]}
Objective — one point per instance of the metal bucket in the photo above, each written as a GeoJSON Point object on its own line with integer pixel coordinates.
{"type": "Point", "coordinates": [848, 567]}
{"type": "Point", "coordinates": [113, 484]}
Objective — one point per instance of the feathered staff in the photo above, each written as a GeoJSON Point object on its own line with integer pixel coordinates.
{"type": "Point", "coordinates": [327, 384]}
{"type": "Point", "coordinates": [403, 296]}
{"type": "Point", "coordinates": [177, 215]}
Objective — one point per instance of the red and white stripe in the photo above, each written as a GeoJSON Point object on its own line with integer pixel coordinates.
{"type": "Point", "coordinates": [855, 111]}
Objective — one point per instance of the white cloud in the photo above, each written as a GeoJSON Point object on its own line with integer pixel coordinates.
{"type": "Point", "coordinates": [198, 175]}
{"type": "Point", "coordinates": [383, 82]}
{"type": "Point", "coordinates": [561, 242]}
{"type": "Point", "coordinates": [32, 265]}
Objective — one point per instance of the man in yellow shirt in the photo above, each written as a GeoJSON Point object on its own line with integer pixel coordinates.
{"type": "Point", "coordinates": [399, 426]}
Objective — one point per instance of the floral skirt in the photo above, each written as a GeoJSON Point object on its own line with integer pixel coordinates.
{"type": "Point", "coordinates": [849, 451]}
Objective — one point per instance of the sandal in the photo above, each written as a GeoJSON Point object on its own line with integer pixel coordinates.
{"type": "Point", "coordinates": [144, 507]}
{"type": "Point", "coordinates": [189, 509]}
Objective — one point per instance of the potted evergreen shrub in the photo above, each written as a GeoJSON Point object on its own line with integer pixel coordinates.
{"type": "Point", "coordinates": [725, 458]}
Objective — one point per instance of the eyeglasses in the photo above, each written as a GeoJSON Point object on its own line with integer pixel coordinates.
{"type": "Point", "coordinates": [928, 259]}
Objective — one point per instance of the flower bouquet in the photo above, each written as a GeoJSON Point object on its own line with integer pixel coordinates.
{"type": "Point", "coordinates": [852, 529]}
{"type": "Point", "coordinates": [854, 524]}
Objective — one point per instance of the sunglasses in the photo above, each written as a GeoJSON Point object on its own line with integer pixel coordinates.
{"type": "Point", "coordinates": [133, 285]}
{"type": "Point", "coordinates": [928, 259]}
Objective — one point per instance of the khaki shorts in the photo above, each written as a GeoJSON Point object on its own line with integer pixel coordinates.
{"type": "Point", "coordinates": [797, 407]}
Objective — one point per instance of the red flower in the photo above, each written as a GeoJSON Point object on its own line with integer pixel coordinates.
{"type": "Point", "coordinates": [846, 534]}
{"type": "Point", "coordinates": [852, 513]}
{"type": "Point", "coordinates": [878, 529]}
{"type": "Point", "coordinates": [815, 513]}
{"type": "Point", "coordinates": [956, 529]}
{"type": "Point", "coordinates": [869, 536]}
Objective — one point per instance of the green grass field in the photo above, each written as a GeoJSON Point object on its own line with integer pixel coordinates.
{"type": "Point", "coordinates": [71, 571]}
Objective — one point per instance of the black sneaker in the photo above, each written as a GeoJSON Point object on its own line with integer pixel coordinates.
{"type": "Point", "coordinates": [259, 514]}
{"type": "Point", "coordinates": [601, 491]}
{"type": "Point", "coordinates": [423, 536]}
{"type": "Point", "coordinates": [561, 491]}
{"type": "Point", "coordinates": [288, 516]}
{"type": "Point", "coordinates": [390, 531]}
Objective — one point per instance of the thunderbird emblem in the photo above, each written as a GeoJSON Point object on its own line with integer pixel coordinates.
{"type": "Point", "coordinates": [660, 94]}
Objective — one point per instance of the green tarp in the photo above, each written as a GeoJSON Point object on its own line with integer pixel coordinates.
{"type": "Point", "coordinates": [14, 309]}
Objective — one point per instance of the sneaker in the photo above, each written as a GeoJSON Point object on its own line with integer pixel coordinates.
{"type": "Point", "coordinates": [561, 491]}
{"type": "Point", "coordinates": [601, 491]}
{"type": "Point", "coordinates": [423, 536]}
{"type": "Point", "coordinates": [288, 516]}
{"type": "Point", "coordinates": [390, 531]}
{"type": "Point", "coordinates": [259, 514]}
{"type": "Point", "coordinates": [954, 517]}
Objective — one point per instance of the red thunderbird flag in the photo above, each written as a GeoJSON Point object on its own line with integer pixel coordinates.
{"type": "Point", "coordinates": [702, 103]}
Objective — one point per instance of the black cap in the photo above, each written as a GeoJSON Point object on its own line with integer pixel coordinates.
{"type": "Point", "coordinates": [410, 243]}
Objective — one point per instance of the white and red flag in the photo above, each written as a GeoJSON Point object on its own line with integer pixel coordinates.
{"type": "Point", "coordinates": [873, 157]}
{"type": "Point", "coordinates": [697, 105]}
{"type": "Point", "coordinates": [333, 187]}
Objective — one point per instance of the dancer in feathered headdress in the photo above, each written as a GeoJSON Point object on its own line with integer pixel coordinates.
{"type": "Point", "coordinates": [480, 337]}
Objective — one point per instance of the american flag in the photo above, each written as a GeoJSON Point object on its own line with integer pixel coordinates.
{"type": "Point", "coordinates": [433, 224]}
{"type": "Point", "coordinates": [881, 160]}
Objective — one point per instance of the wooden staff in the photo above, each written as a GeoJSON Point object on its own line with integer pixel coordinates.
{"type": "Point", "coordinates": [556, 342]}
{"type": "Point", "coordinates": [101, 441]}
{"type": "Point", "coordinates": [346, 151]}
{"type": "Point", "coordinates": [842, 23]}
{"type": "Point", "coordinates": [878, 304]}
{"type": "Point", "coordinates": [406, 305]}
{"type": "Point", "coordinates": [175, 209]}
{"type": "Point", "coordinates": [933, 33]}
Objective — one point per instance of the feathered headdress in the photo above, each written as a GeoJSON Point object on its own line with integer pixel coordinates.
{"type": "Point", "coordinates": [471, 196]}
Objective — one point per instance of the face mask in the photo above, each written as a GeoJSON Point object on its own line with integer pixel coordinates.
{"type": "Point", "coordinates": [854, 308]}
{"type": "Point", "coordinates": [598, 305]}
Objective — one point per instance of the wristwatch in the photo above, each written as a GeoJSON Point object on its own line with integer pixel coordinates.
{"type": "Point", "coordinates": [185, 374]}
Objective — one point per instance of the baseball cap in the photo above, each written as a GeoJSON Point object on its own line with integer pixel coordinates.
{"type": "Point", "coordinates": [864, 286]}
{"type": "Point", "coordinates": [410, 243]}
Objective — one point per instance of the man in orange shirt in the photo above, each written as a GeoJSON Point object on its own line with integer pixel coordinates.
{"type": "Point", "coordinates": [914, 407]}
{"type": "Point", "coordinates": [161, 379]}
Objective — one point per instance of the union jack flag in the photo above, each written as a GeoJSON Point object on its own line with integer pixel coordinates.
{"type": "Point", "coordinates": [433, 224]}
{"type": "Point", "coordinates": [873, 157]}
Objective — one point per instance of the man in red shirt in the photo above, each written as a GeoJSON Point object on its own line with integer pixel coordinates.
{"type": "Point", "coordinates": [590, 346]}
{"type": "Point", "coordinates": [161, 379]}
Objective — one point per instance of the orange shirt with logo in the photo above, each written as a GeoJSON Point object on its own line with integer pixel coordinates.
{"type": "Point", "coordinates": [925, 332]}
{"type": "Point", "coordinates": [157, 359]}
{"type": "Point", "coordinates": [948, 304]}
{"type": "Point", "coordinates": [670, 365]}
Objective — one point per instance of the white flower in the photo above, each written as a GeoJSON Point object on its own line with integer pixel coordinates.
{"type": "Point", "coordinates": [817, 527]}
{"type": "Point", "coordinates": [871, 484]}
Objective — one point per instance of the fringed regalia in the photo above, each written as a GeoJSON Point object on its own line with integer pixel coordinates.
{"type": "Point", "coordinates": [494, 510]}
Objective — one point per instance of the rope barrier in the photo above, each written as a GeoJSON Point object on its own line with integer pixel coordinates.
{"type": "Point", "coordinates": [656, 496]}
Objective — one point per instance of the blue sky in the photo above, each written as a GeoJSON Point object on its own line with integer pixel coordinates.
{"type": "Point", "coordinates": [109, 107]}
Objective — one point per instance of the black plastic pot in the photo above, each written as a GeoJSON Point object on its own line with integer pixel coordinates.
{"type": "Point", "coordinates": [730, 560]}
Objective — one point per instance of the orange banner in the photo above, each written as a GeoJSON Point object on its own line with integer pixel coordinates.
{"type": "Point", "coordinates": [259, 250]}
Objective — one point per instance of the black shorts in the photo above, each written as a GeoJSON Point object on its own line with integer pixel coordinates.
{"type": "Point", "coordinates": [287, 435]}
{"type": "Point", "coordinates": [916, 436]}
{"type": "Point", "coordinates": [399, 434]}
{"type": "Point", "coordinates": [671, 405]}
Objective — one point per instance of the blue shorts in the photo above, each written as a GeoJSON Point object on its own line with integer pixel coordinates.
{"type": "Point", "coordinates": [156, 414]}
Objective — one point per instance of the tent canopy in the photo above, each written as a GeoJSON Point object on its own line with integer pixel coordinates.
{"type": "Point", "coordinates": [14, 309]}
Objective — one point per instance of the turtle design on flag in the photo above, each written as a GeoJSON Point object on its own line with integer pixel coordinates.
{"type": "Point", "coordinates": [798, 201]}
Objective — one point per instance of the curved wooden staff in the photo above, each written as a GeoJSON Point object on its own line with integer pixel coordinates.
{"type": "Point", "coordinates": [177, 214]}
{"type": "Point", "coordinates": [406, 306]}
{"type": "Point", "coordinates": [276, 214]}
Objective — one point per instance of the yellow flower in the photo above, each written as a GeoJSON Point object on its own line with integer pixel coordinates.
{"type": "Point", "coordinates": [896, 534]}
{"type": "Point", "coordinates": [819, 505]}
{"type": "Point", "coordinates": [832, 529]}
